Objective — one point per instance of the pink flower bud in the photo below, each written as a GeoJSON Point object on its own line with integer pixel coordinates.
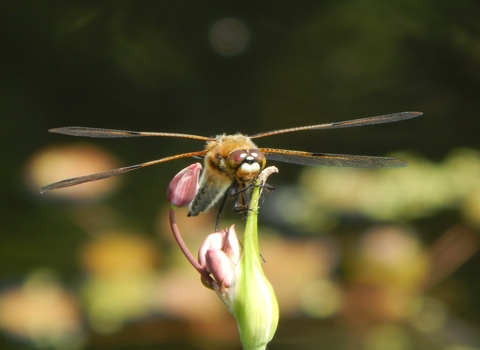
{"type": "Point", "coordinates": [183, 188]}
{"type": "Point", "coordinates": [219, 254]}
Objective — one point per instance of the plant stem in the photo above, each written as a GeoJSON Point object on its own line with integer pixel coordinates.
{"type": "Point", "coordinates": [183, 247]}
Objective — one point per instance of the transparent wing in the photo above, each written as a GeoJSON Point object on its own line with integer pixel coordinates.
{"type": "Point", "coordinates": [112, 133]}
{"type": "Point", "coordinates": [387, 118]}
{"type": "Point", "coordinates": [334, 160]}
{"type": "Point", "coordinates": [115, 172]}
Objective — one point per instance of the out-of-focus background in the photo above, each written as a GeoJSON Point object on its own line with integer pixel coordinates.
{"type": "Point", "coordinates": [359, 259]}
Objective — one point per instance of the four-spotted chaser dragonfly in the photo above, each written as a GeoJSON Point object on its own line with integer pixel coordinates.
{"type": "Point", "coordinates": [232, 162]}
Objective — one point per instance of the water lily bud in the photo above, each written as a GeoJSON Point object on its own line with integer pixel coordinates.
{"type": "Point", "coordinates": [184, 186]}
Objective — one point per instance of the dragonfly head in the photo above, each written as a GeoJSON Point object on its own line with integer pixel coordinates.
{"type": "Point", "coordinates": [246, 164]}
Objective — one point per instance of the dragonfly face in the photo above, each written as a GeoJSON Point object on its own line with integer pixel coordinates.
{"type": "Point", "coordinates": [232, 162]}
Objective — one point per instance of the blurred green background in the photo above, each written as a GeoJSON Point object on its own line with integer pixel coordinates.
{"type": "Point", "coordinates": [377, 259]}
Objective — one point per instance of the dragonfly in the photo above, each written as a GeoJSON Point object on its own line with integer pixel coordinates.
{"type": "Point", "coordinates": [233, 162]}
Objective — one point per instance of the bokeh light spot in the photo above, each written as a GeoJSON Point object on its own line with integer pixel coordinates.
{"type": "Point", "coordinates": [321, 298]}
{"type": "Point", "coordinates": [121, 274]}
{"type": "Point", "coordinates": [56, 163]}
{"type": "Point", "coordinates": [42, 312]}
{"type": "Point", "coordinates": [229, 36]}
{"type": "Point", "coordinates": [388, 337]}
{"type": "Point", "coordinates": [429, 315]}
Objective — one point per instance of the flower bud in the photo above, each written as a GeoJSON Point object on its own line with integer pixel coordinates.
{"type": "Point", "coordinates": [219, 254]}
{"type": "Point", "coordinates": [239, 279]}
{"type": "Point", "coordinates": [184, 186]}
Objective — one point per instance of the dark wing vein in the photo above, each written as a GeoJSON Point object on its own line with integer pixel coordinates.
{"type": "Point", "coordinates": [334, 160]}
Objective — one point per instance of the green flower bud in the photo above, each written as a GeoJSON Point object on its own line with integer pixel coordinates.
{"type": "Point", "coordinates": [239, 279]}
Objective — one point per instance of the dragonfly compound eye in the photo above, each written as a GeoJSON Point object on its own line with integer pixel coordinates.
{"type": "Point", "coordinates": [255, 156]}
{"type": "Point", "coordinates": [237, 157]}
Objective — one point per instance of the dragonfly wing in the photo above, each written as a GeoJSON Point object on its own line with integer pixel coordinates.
{"type": "Point", "coordinates": [115, 172]}
{"type": "Point", "coordinates": [112, 133]}
{"type": "Point", "coordinates": [380, 119]}
{"type": "Point", "coordinates": [333, 160]}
